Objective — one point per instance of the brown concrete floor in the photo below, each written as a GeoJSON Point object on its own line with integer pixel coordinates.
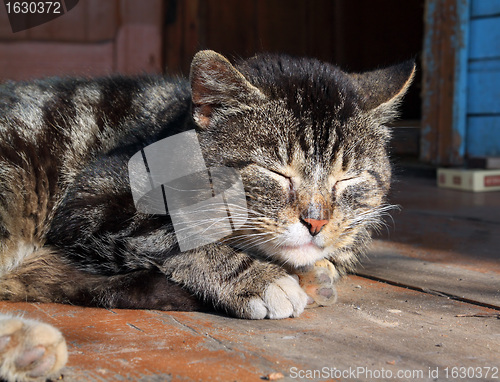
{"type": "Point", "coordinates": [425, 306]}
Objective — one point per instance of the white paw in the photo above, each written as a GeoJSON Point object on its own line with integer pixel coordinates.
{"type": "Point", "coordinates": [30, 350]}
{"type": "Point", "coordinates": [283, 298]}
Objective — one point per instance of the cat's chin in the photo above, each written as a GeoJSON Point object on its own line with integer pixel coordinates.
{"type": "Point", "coordinates": [302, 255]}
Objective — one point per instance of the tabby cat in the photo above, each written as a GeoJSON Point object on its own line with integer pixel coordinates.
{"type": "Point", "coordinates": [308, 140]}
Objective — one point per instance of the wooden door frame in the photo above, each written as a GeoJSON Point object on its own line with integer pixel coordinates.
{"type": "Point", "coordinates": [444, 95]}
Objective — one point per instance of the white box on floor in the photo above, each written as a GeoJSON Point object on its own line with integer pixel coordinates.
{"type": "Point", "coordinates": [469, 180]}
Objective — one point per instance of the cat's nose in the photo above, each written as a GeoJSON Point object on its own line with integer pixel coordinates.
{"type": "Point", "coordinates": [313, 225]}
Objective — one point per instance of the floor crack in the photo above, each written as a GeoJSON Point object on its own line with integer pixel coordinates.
{"type": "Point", "coordinates": [135, 327]}
{"type": "Point", "coordinates": [428, 291]}
{"type": "Point", "coordinates": [184, 325]}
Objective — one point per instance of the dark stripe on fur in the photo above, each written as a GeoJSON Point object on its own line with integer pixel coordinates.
{"type": "Point", "coordinates": [242, 266]}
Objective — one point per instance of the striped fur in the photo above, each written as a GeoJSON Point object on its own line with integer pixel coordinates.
{"type": "Point", "coordinates": [308, 140]}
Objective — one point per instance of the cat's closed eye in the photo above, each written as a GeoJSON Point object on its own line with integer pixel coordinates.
{"type": "Point", "coordinates": [285, 179]}
{"type": "Point", "coordinates": [341, 184]}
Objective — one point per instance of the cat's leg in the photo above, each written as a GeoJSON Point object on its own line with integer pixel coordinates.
{"type": "Point", "coordinates": [237, 283]}
{"type": "Point", "coordinates": [215, 274]}
{"type": "Point", "coordinates": [48, 277]}
{"type": "Point", "coordinates": [218, 276]}
{"type": "Point", "coordinates": [30, 350]}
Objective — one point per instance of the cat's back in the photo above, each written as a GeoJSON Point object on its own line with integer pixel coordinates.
{"type": "Point", "coordinates": [68, 121]}
{"type": "Point", "coordinates": [85, 104]}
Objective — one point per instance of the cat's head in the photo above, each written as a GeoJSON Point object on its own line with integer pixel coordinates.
{"type": "Point", "coordinates": [309, 141]}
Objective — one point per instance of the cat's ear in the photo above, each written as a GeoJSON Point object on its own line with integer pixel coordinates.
{"type": "Point", "coordinates": [218, 87]}
{"type": "Point", "coordinates": [382, 90]}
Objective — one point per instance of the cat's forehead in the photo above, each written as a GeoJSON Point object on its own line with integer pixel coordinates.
{"type": "Point", "coordinates": [311, 100]}
{"type": "Point", "coordinates": [307, 84]}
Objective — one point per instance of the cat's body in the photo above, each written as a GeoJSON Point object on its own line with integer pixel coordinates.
{"type": "Point", "coordinates": [308, 141]}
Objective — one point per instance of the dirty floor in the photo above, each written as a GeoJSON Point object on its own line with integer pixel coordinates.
{"type": "Point", "coordinates": [425, 306]}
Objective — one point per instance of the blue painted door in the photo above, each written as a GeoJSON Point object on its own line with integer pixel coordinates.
{"type": "Point", "coordinates": [483, 80]}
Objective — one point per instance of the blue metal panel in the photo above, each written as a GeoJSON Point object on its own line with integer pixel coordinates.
{"type": "Point", "coordinates": [459, 127]}
{"type": "Point", "coordinates": [485, 8]}
{"type": "Point", "coordinates": [483, 138]}
{"type": "Point", "coordinates": [484, 93]}
{"type": "Point", "coordinates": [484, 66]}
{"type": "Point", "coordinates": [483, 99]}
{"type": "Point", "coordinates": [485, 38]}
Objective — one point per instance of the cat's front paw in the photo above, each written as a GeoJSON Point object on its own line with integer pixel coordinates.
{"type": "Point", "coordinates": [281, 299]}
{"type": "Point", "coordinates": [319, 284]}
{"type": "Point", "coordinates": [30, 350]}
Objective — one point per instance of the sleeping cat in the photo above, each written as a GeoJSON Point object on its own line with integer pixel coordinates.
{"type": "Point", "coordinates": [307, 140]}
